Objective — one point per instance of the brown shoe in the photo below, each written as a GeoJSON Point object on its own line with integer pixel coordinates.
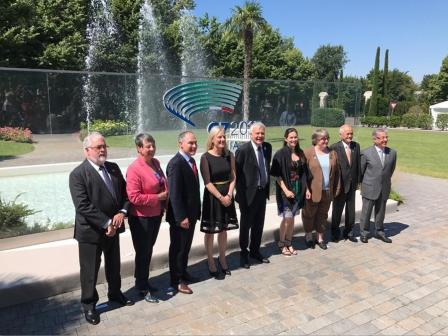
{"type": "Point", "coordinates": [183, 288]}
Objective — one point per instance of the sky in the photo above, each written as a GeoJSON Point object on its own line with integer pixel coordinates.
{"type": "Point", "coordinates": [414, 31]}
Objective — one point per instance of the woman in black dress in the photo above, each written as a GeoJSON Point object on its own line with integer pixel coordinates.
{"type": "Point", "coordinates": [218, 207]}
{"type": "Point", "coordinates": [288, 166]}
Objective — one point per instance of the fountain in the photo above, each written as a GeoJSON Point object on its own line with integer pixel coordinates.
{"type": "Point", "coordinates": [101, 35]}
{"type": "Point", "coordinates": [152, 59]}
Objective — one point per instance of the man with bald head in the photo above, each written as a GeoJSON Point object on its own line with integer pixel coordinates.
{"type": "Point", "coordinates": [98, 191]}
{"type": "Point", "coordinates": [349, 164]}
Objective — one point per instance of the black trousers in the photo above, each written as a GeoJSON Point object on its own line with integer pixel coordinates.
{"type": "Point", "coordinates": [346, 200]}
{"type": "Point", "coordinates": [144, 232]}
{"type": "Point", "coordinates": [180, 246]}
{"type": "Point", "coordinates": [90, 261]}
{"type": "Point", "coordinates": [252, 219]}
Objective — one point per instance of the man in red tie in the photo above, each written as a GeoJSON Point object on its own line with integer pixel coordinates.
{"type": "Point", "coordinates": [184, 209]}
{"type": "Point", "coordinates": [349, 164]}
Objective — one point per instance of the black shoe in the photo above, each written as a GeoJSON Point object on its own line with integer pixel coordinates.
{"type": "Point", "coordinates": [150, 298]}
{"type": "Point", "coordinates": [310, 244]}
{"type": "Point", "coordinates": [216, 274]}
{"type": "Point", "coordinates": [259, 257]}
{"type": "Point", "coordinates": [351, 238]}
{"type": "Point", "coordinates": [322, 245]}
{"type": "Point", "coordinates": [224, 271]}
{"type": "Point", "coordinates": [244, 261]}
{"type": "Point", "coordinates": [364, 239]}
{"type": "Point", "coordinates": [384, 239]}
{"type": "Point", "coordinates": [92, 316]}
{"type": "Point", "coordinates": [122, 299]}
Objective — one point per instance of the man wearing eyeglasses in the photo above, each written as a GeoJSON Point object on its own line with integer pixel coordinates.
{"type": "Point", "coordinates": [377, 166]}
{"type": "Point", "coordinates": [98, 191]}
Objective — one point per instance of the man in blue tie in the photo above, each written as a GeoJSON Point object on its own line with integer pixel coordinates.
{"type": "Point", "coordinates": [377, 167]}
{"type": "Point", "coordinates": [252, 189]}
{"type": "Point", "coordinates": [98, 191]}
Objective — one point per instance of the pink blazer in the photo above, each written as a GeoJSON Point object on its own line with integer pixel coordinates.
{"type": "Point", "coordinates": [142, 187]}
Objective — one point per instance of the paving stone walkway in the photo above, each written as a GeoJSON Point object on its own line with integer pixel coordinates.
{"type": "Point", "coordinates": [351, 288]}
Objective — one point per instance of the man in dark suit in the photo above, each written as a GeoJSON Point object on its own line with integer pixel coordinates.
{"type": "Point", "coordinates": [184, 209]}
{"type": "Point", "coordinates": [349, 156]}
{"type": "Point", "coordinates": [252, 189]}
{"type": "Point", "coordinates": [377, 167]}
{"type": "Point", "coordinates": [98, 191]}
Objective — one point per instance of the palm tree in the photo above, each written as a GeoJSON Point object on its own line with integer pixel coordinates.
{"type": "Point", "coordinates": [245, 22]}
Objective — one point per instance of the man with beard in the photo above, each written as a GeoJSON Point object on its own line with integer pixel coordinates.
{"type": "Point", "coordinates": [98, 191]}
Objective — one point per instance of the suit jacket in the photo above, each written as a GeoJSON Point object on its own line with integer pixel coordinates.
{"type": "Point", "coordinates": [315, 177]}
{"type": "Point", "coordinates": [376, 179]}
{"type": "Point", "coordinates": [247, 173]}
{"type": "Point", "coordinates": [143, 188]}
{"type": "Point", "coordinates": [184, 196]}
{"type": "Point", "coordinates": [350, 173]}
{"type": "Point", "coordinates": [94, 204]}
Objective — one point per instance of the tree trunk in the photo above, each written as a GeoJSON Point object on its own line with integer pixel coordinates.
{"type": "Point", "coordinates": [248, 42]}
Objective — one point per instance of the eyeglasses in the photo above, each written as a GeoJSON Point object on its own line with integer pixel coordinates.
{"type": "Point", "coordinates": [99, 147]}
{"type": "Point", "coordinates": [324, 138]}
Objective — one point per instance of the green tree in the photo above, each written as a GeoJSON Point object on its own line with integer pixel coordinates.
{"type": "Point", "coordinates": [329, 61]}
{"type": "Point", "coordinates": [440, 85]}
{"type": "Point", "coordinates": [373, 109]}
{"type": "Point", "coordinates": [246, 21]}
{"type": "Point", "coordinates": [386, 74]}
{"type": "Point", "coordinates": [20, 44]}
{"type": "Point", "coordinates": [62, 25]}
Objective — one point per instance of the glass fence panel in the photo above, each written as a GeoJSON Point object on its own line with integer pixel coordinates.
{"type": "Point", "coordinates": [60, 107]}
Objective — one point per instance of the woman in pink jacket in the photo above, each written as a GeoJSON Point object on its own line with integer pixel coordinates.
{"type": "Point", "coordinates": [147, 192]}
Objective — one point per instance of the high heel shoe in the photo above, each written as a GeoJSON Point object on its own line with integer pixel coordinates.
{"type": "Point", "coordinates": [224, 271]}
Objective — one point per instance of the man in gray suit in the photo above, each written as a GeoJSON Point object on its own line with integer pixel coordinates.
{"type": "Point", "coordinates": [377, 166]}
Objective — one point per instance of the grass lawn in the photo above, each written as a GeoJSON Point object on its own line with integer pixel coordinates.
{"type": "Point", "coordinates": [419, 152]}
{"type": "Point", "coordinates": [9, 149]}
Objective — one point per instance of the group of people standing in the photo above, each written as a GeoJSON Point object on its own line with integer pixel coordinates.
{"type": "Point", "coordinates": [307, 179]}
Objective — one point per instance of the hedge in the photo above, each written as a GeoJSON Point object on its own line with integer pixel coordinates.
{"type": "Point", "coordinates": [327, 117]}
{"type": "Point", "coordinates": [442, 121]}
{"type": "Point", "coordinates": [105, 127]}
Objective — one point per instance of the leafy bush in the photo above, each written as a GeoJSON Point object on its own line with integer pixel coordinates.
{"type": "Point", "coordinates": [374, 121]}
{"type": "Point", "coordinates": [327, 117]}
{"type": "Point", "coordinates": [16, 134]}
{"type": "Point", "coordinates": [409, 120]}
{"type": "Point", "coordinates": [402, 108]}
{"type": "Point", "coordinates": [416, 109]}
{"type": "Point", "coordinates": [12, 218]}
{"type": "Point", "coordinates": [442, 121]}
{"type": "Point", "coordinates": [105, 127]}
{"type": "Point", "coordinates": [424, 121]}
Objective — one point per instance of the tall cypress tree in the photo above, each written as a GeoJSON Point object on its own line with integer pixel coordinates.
{"type": "Point", "coordinates": [385, 75]}
{"type": "Point", "coordinates": [373, 110]}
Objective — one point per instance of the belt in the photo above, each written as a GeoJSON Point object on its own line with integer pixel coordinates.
{"type": "Point", "coordinates": [221, 182]}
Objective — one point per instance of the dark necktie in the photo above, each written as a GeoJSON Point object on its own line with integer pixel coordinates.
{"type": "Point", "coordinates": [261, 167]}
{"type": "Point", "coordinates": [107, 180]}
{"type": "Point", "coordinates": [193, 166]}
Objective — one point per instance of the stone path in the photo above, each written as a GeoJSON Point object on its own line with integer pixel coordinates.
{"type": "Point", "coordinates": [351, 288]}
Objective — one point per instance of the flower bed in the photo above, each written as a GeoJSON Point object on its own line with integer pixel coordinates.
{"type": "Point", "coordinates": [16, 134]}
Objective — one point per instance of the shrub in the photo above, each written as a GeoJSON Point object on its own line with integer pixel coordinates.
{"type": "Point", "coordinates": [16, 134]}
{"type": "Point", "coordinates": [409, 120]}
{"type": "Point", "coordinates": [442, 121]}
{"type": "Point", "coordinates": [416, 109]}
{"type": "Point", "coordinates": [424, 121]}
{"type": "Point", "coordinates": [402, 107]}
{"type": "Point", "coordinates": [394, 121]}
{"type": "Point", "coordinates": [327, 117]}
{"type": "Point", "coordinates": [12, 218]}
{"type": "Point", "coordinates": [105, 127]}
